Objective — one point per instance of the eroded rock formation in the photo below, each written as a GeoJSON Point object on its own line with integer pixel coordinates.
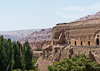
{"type": "Point", "coordinates": [57, 53]}
{"type": "Point", "coordinates": [39, 44]}
{"type": "Point", "coordinates": [77, 33]}
{"type": "Point", "coordinates": [68, 39]}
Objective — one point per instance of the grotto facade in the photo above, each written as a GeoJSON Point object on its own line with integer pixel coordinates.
{"type": "Point", "coordinates": [68, 39]}
{"type": "Point", "coordinates": [85, 33]}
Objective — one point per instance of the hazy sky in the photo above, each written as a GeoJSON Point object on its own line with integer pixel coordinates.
{"type": "Point", "coordinates": [38, 14]}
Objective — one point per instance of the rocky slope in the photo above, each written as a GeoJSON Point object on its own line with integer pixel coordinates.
{"type": "Point", "coordinates": [97, 15]}
{"type": "Point", "coordinates": [57, 53]}
{"type": "Point", "coordinates": [40, 44]}
{"type": "Point", "coordinates": [14, 35]}
{"type": "Point", "coordinates": [43, 34]}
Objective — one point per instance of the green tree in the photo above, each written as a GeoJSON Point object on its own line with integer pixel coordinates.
{"type": "Point", "coordinates": [27, 56]}
{"type": "Point", "coordinates": [15, 56]}
{"type": "Point", "coordinates": [76, 63]}
{"type": "Point", "coordinates": [38, 50]}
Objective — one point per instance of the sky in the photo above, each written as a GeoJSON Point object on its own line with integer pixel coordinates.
{"type": "Point", "coordinates": [41, 14]}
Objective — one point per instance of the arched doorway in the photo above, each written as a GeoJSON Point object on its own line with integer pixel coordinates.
{"type": "Point", "coordinates": [97, 41]}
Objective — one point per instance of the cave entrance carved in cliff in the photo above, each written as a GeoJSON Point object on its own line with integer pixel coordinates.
{"type": "Point", "coordinates": [89, 43]}
{"type": "Point", "coordinates": [97, 41]}
{"type": "Point", "coordinates": [75, 42]}
{"type": "Point", "coordinates": [81, 42]}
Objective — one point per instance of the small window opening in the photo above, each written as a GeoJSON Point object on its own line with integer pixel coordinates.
{"type": "Point", "coordinates": [88, 42]}
{"type": "Point", "coordinates": [81, 42]}
{"type": "Point", "coordinates": [97, 41]}
{"type": "Point", "coordinates": [75, 42]}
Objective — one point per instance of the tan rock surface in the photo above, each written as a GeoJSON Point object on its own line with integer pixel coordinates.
{"type": "Point", "coordinates": [82, 37]}
{"type": "Point", "coordinates": [39, 44]}
{"type": "Point", "coordinates": [82, 32]}
{"type": "Point", "coordinates": [42, 64]}
{"type": "Point", "coordinates": [57, 53]}
{"type": "Point", "coordinates": [37, 53]}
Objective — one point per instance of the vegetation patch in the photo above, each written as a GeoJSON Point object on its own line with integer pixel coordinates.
{"type": "Point", "coordinates": [76, 63]}
{"type": "Point", "coordinates": [38, 50]}
{"type": "Point", "coordinates": [14, 56]}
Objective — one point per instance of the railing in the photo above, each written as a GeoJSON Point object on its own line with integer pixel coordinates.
{"type": "Point", "coordinates": [78, 46]}
{"type": "Point", "coordinates": [87, 46]}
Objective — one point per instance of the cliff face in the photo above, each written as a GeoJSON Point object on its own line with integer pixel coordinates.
{"type": "Point", "coordinates": [79, 32]}
{"type": "Point", "coordinates": [39, 44]}
{"type": "Point", "coordinates": [68, 39]}
{"type": "Point", "coordinates": [73, 38]}
{"type": "Point", "coordinates": [57, 53]}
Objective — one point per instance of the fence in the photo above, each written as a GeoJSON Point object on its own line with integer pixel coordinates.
{"type": "Point", "coordinates": [78, 46]}
{"type": "Point", "coordinates": [97, 46]}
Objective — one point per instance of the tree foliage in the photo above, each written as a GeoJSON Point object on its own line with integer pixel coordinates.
{"type": "Point", "coordinates": [15, 56]}
{"type": "Point", "coordinates": [38, 50]}
{"type": "Point", "coordinates": [76, 63]}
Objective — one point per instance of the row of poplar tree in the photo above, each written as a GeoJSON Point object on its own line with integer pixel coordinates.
{"type": "Point", "coordinates": [13, 55]}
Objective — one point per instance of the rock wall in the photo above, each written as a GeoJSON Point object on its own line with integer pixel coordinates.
{"type": "Point", "coordinates": [83, 36]}
{"type": "Point", "coordinates": [37, 54]}
{"type": "Point", "coordinates": [39, 44]}
{"type": "Point", "coordinates": [84, 31]}
{"type": "Point", "coordinates": [57, 53]}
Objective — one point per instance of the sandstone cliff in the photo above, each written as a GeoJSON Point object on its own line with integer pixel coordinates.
{"type": "Point", "coordinates": [57, 53]}
{"type": "Point", "coordinates": [68, 39]}
{"type": "Point", "coordinates": [36, 54]}
{"type": "Point", "coordinates": [39, 44]}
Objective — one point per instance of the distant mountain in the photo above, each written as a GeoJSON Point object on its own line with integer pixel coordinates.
{"type": "Point", "coordinates": [97, 15]}
{"type": "Point", "coordinates": [43, 34]}
{"type": "Point", "coordinates": [15, 35]}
